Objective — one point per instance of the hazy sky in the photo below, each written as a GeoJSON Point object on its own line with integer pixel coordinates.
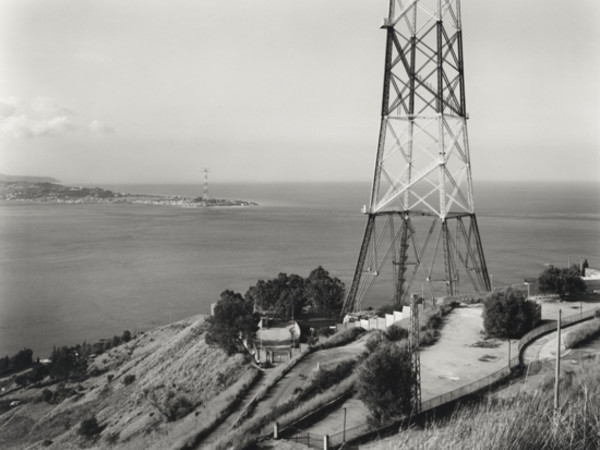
{"type": "Point", "coordinates": [112, 91]}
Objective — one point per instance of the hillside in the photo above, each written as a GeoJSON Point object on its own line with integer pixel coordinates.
{"type": "Point", "coordinates": [154, 392]}
{"type": "Point", "coordinates": [12, 178]}
{"type": "Point", "coordinates": [46, 192]}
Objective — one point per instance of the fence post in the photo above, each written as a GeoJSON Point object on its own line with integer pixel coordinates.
{"type": "Point", "coordinates": [275, 430]}
{"type": "Point", "coordinates": [326, 442]}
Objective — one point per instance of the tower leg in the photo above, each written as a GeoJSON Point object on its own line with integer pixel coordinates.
{"type": "Point", "coordinates": [350, 302]}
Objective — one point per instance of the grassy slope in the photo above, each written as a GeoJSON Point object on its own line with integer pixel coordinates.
{"type": "Point", "coordinates": [520, 421]}
{"type": "Point", "coordinates": [172, 358]}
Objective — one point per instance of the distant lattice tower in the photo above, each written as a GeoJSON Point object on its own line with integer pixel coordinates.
{"type": "Point", "coordinates": [205, 196]}
{"type": "Point", "coordinates": [421, 226]}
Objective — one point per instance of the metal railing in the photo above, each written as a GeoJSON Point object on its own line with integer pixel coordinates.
{"type": "Point", "coordinates": [312, 440]}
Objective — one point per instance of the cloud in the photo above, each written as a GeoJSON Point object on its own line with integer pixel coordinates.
{"type": "Point", "coordinates": [97, 126]}
{"type": "Point", "coordinates": [47, 107]}
{"type": "Point", "coordinates": [20, 125]}
{"type": "Point", "coordinates": [43, 117]}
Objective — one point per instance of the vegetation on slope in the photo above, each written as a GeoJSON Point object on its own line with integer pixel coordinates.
{"type": "Point", "coordinates": [523, 421]}
{"type": "Point", "coordinates": [163, 383]}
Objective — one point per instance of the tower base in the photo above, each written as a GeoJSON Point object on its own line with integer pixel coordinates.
{"type": "Point", "coordinates": [428, 254]}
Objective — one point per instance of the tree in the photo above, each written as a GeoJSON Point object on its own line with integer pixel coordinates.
{"type": "Point", "coordinates": [63, 362]}
{"type": "Point", "coordinates": [384, 382]}
{"type": "Point", "coordinates": [509, 314]}
{"type": "Point", "coordinates": [233, 320]}
{"type": "Point", "coordinates": [563, 282]}
{"type": "Point", "coordinates": [283, 297]}
{"type": "Point", "coordinates": [126, 337]}
{"type": "Point", "coordinates": [324, 293]}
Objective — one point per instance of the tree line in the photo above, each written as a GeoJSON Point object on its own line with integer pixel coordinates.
{"type": "Point", "coordinates": [236, 316]}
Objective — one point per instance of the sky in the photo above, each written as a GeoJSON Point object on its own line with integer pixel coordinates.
{"type": "Point", "coordinates": [149, 91]}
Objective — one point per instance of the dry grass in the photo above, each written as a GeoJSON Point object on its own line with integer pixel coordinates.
{"type": "Point", "coordinates": [523, 421]}
{"type": "Point", "coordinates": [171, 361]}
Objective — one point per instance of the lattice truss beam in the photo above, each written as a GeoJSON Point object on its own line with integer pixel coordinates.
{"type": "Point", "coordinates": [423, 159]}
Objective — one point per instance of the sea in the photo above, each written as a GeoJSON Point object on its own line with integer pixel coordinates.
{"type": "Point", "coordinates": [71, 273]}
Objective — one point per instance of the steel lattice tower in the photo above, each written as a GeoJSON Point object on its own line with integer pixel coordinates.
{"type": "Point", "coordinates": [421, 223]}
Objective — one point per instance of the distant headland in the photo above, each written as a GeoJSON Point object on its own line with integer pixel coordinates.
{"type": "Point", "coordinates": [47, 190]}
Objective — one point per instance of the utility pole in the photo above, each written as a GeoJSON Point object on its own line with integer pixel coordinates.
{"type": "Point", "coordinates": [557, 372]}
{"type": "Point", "coordinates": [415, 356]}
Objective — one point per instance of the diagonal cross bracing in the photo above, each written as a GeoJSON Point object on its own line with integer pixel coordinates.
{"type": "Point", "coordinates": [422, 170]}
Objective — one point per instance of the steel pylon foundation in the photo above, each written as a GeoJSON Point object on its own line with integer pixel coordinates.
{"type": "Point", "coordinates": [421, 232]}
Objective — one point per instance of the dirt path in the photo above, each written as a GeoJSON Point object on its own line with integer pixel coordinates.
{"type": "Point", "coordinates": [285, 388]}
{"type": "Point", "coordinates": [450, 363]}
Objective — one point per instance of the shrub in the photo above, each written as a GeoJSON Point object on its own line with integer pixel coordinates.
{"type": "Point", "coordinates": [375, 340]}
{"type": "Point", "coordinates": [128, 379]}
{"type": "Point", "coordinates": [341, 338]}
{"type": "Point", "coordinates": [178, 406]}
{"type": "Point", "coordinates": [508, 314]}
{"type": "Point", "coordinates": [171, 405]}
{"type": "Point", "coordinates": [396, 333]}
{"type": "Point", "coordinates": [89, 427]}
{"type": "Point", "coordinates": [327, 377]}
{"type": "Point", "coordinates": [587, 332]}
{"type": "Point", "coordinates": [46, 396]}
{"type": "Point", "coordinates": [385, 382]}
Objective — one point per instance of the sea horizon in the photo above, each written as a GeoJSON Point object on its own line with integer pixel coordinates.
{"type": "Point", "coordinates": [74, 273]}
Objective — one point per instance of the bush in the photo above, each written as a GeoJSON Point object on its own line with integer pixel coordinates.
{"type": "Point", "coordinates": [587, 332]}
{"type": "Point", "coordinates": [179, 406]}
{"type": "Point", "coordinates": [170, 405]}
{"type": "Point", "coordinates": [47, 396]}
{"type": "Point", "coordinates": [89, 427]}
{"type": "Point", "coordinates": [385, 382]}
{"type": "Point", "coordinates": [341, 338]}
{"type": "Point", "coordinates": [396, 333]}
{"type": "Point", "coordinates": [508, 314]}
{"type": "Point", "coordinates": [375, 340]}
{"type": "Point", "coordinates": [327, 377]}
{"type": "Point", "coordinates": [128, 379]}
